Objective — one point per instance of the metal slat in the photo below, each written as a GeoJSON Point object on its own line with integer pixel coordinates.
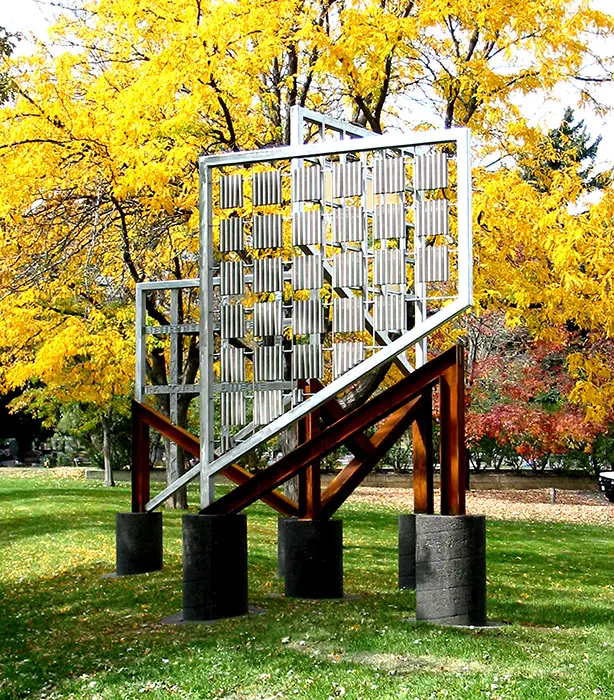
{"type": "Point", "coordinates": [389, 266]}
{"type": "Point", "coordinates": [346, 356]}
{"type": "Point", "coordinates": [347, 270]}
{"type": "Point", "coordinates": [307, 184]}
{"type": "Point", "coordinates": [267, 231]}
{"type": "Point", "coordinates": [348, 315]}
{"type": "Point", "coordinates": [268, 405]}
{"type": "Point", "coordinates": [232, 278]}
{"type": "Point", "coordinates": [231, 191]}
{"type": "Point", "coordinates": [232, 321]}
{"type": "Point", "coordinates": [430, 171]}
{"type": "Point", "coordinates": [231, 235]}
{"type": "Point", "coordinates": [268, 319]}
{"type": "Point", "coordinates": [268, 275]}
{"type": "Point", "coordinates": [306, 228]}
{"type": "Point", "coordinates": [307, 272]}
{"type": "Point", "coordinates": [307, 362]}
{"type": "Point", "coordinates": [232, 408]}
{"type": "Point", "coordinates": [388, 221]}
{"type": "Point", "coordinates": [307, 317]}
{"type": "Point", "coordinates": [433, 264]}
{"type": "Point", "coordinates": [347, 179]}
{"type": "Point", "coordinates": [268, 363]}
{"type": "Point", "coordinates": [348, 224]}
{"type": "Point", "coordinates": [432, 218]}
{"type": "Point", "coordinates": [232, 364]}
{"type": "Point", "coordinates": [266, 188]}
{"type": "Point", "coordinates": [389, 313]}
{"type": "Point", "coordinates": [388, 175]}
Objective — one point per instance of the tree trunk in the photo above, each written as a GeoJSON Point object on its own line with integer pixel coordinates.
{"type": "Point", "coordinates": [106, 448]}
{"type": "Point", "coordinates": [175, 459]}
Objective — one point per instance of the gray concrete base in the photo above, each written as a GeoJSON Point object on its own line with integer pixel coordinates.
{"type": "Point", "coordinates": [214, 566]}
{"type": "Point", "coordinates": [451, 569]}
{"type": "Point", "coordinates": [281, 546]}
{"type": "Point", "coordinates": [312, 558]}
{"type": "Point", "coordinates": [407, 551]}
{"type": "Point", "coordinates": [179, 619]}
{"type": "Point", "coordinates": [138, 543]}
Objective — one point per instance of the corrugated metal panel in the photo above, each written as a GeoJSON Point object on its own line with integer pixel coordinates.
{"type": "Point", "coordinates": [268, 318]}
{"type": "Point", "coordinates": [232, 364]}
{"type": "Point", "coordinates": [268, 231]}
{"type": "Point", "coordinates": [307, 362]}
{"type": "Point", "coordinates": [307, 184]}
{"type": "Point", "coordinates": [347, 270]}
{"type": "Point", "coordinates": [388, 175]}
{"type": "Point", "coordinates": [307, 317]}
{"type": "Point", "coordinates": [430, 171]}
{"type": "Point", "coordinates": [232, 278]}
{"type": "Point", "coordinates": [307, 272]}
{"type": "Point", "coordinates": [232, 408]}
{"type": "Point", "coordinates": [232, 321]}
{"type": "Point", "coordinates": [268, 405]}
{"type": "Point", "coordinates": [388, 221]}
{"type": "Point", "coordinates": [231, 191]}
{"type": "Point", "coordinates": [268, 275]}
{"type": "Point", "coordinates": [389, 313]}
{"type": "Point", "coordinates": [266, 188]}
{"type": "Point", "coordinates": [347, 179]}
{"type": "Point", "coordinates": [268, 363]}
{"type": "Point", "coordinates": [231, 235]}
{"type": "Point", "coordinates": [389, 266]}
{"type": "Point", "coordinates": [432, 218]}
{"type": "Point", "coordinates": [306, 228]}
{"type": "Point", "coordinates": [348, 315]}
{"type": "Point", "coordinates": [433, 264]}
{"type": "Point", "coordinates": [348, 224]}
{"type": "Point", "coordinates": [346, 356]}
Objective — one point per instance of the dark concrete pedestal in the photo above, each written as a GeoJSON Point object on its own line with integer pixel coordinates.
{"type": "Point", "coordinates": [138, 543]}
{"type": "Point", "coordinates": [407, 551]}
{"type": "Point", "coordinates": [214, 566]}
{"type": "Point", "coordinates": [281, 545]}
{"type": "Point", "coordinates": [312, 558]}
{"type": "Point", "coordinates": [451, 569]}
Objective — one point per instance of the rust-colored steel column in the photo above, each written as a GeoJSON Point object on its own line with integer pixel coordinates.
{"type": "Point", "coordinates": [140, 460]}
{"type": "Point", "coordinates": [309, 496]}
{"type": "Point", "coordinates": [422, 437]}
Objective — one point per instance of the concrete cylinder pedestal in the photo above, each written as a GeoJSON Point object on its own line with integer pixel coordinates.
{"type": "Point", "coordinates": [281, 546]}
{"type": "Point", "coordinates": [214, 566]}
{"type": "Point", "coordinates": [451, 569]}
{"type": "Point", "coordinates": [312, 558]}
{"type": "Point", "coordinates": [407, 551]}
{"type": "Point", "coordinates": [138, 543]}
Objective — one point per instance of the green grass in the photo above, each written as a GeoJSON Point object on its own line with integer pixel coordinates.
{"type": "Point", "coordinates": [67, 633]}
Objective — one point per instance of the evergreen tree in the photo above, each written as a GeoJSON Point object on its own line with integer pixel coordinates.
{"type": "Point", "coordinates": [6, 49]}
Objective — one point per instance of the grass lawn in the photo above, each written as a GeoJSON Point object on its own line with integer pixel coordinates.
{"type": "Point", "coordinates": [67, 633]}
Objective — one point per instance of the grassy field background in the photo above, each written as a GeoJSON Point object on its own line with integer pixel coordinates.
{"type": "Point", "coordinates": [67, 633]}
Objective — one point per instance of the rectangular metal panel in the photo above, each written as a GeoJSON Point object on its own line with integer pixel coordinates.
{"type": "Point", "coordinates": [430, 171]}
{"type": "Point", "coordinates": [232, 321]}
{"type": "Point", "coordinates": [307, 184]}
{"type": "Point", "coordinates": [348, 315]}
{"type": "Point", "coordinates": [388, 221]}
{"type": "Point", "coordinates": [266, 188]}
{"type": "Point", "coordinates": [268, 363]}
{"type": "Point", "coordinates": [232, 364]}
{"type": "Point", "coordinates": [232, 278]}
{"type": "Point", "coordinates": [267, 231]}
{"type": "Point", "coordinates": [432, 217]}
{"type": "Point", "coordinates": [346, 356]}
{"type": "Point", "coordinates": [232, 408]}
{"type": "Point", "coordinates": [268, 318]}
{"type": "Point", "coordinates": [307, 272]}
{"type": "Point", "coordinates": [347, 270]}
{"type": "Point", "coordinates": [231, 235]}
{"type": "Point", "coordinates": [268, 275]}
{"type": "Point", "coordinates": [307, 362]}
{"type": "Point", "coordinates": [433, 264]}
{"type": "Point", "coordinates": [347, 179]}
{"type": "Point", "coordinates": [389, 266]}
{"type": "Point", "coordinates": [306, 228]}
{"type": "Point", "coordinates": [348, 224]}
{"type": "Point", "coordinates": [389, 313]}
{"type": "Point", "coordinates": [307, 317]}
{"type": "Point", "coordinates": [268, 405]}
{"type": "Point", "coordinates": [388, 175]}
{"type": "Point", "coordinates": [231, 191]}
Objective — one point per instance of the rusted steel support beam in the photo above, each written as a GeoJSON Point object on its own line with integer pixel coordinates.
{"type": "Point", "coordinates": [309, 478]}
{"type": "Point", "coordinates": [452, 437]}
{"type": "Point", "coordinates": [140, 460]}
{"type": "Point", "coordinates": [359, 445]}
{"type": "Point", "coordinates": [423, 455]}
{"type": "Point", "coordinates": [344, 484]}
